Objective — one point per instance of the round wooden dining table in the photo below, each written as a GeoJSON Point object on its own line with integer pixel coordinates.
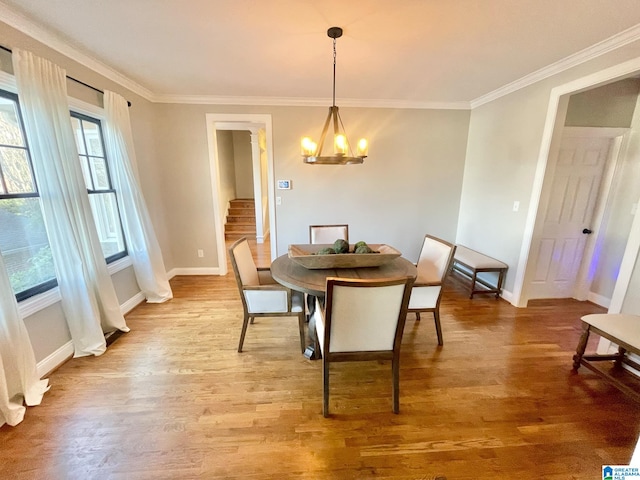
{"type": "Point", "coordinates": [291, 274]}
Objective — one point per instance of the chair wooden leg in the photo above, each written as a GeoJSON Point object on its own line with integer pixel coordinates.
{"type": "Point", "coordinates": [244, 331]}
{"type": "Point", "coordinates": [301, 322]}
{"type": "Point", "coordinates": [395, 373]}
{"type": "Point", "coordinates": [582, 346]}
{"type": "Point", "coordinates": [621, 353]}
{"type": "Point", "coordinates": [436, 317]}
{"type": "Point", "coordinates": [417, 316]}
{"type": "Point", "coordinates": [325, 387]}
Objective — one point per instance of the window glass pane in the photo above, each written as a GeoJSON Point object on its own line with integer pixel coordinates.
{"type": "Point", "coordinates": [16, 171]}
{"type": "Point", "coordinates": [77, 132]}
{"type": "Point", "coordinates": [93, 138]}
{"type": "Point", "coordinates": [24, 244]}
{"type": "Point", "coordinates": [10, 131]}
{"type": "Point", "coordinates": [105, 213]}
{"type": "Point", "coordinates": [84, 163]}
{"type": "Point", "coordinates": [100, 176]}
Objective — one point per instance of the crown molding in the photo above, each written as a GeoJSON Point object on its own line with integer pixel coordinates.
{"type": "Point", "coordinates": [307, 102]}
{"type": "Point", "coordinates": [618, 40]}
{"type": "Point", "coordinates": [28, 27]}
{"type": "Point", "coordinates": [51, 40]}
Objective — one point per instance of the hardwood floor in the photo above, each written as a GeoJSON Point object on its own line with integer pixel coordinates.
{"type": "Point", "coordinates": [173, 399]}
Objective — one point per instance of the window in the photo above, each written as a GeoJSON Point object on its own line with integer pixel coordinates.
{"type": "Point", "coordinates": [23, 238]}
{"type": "Point", "coordinates": [88, 134]}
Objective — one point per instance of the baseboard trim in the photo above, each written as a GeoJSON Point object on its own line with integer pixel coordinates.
{"type": "Point", "coordinates": [47, 365]}
{"type": "Point", "coordinates": [193, 271]}
{"type": "Point", "coordinates": [599, 300]}
{"type": "Point", "coordinates": [132, 303]}
{"type": "Point", "coordinates": [53, 361]}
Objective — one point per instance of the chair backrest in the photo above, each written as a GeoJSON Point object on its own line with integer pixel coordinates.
{"type": "Point", "coordinates": [435, 260]}
{"type": "Point", "coordinates": [243, 265]}
{"type": "Point", "coordinates": [328, 233]}
{"type": "Point", "coordinates": [365, 315]}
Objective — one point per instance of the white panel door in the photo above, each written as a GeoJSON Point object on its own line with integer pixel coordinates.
{"type": "Point", "coordinates": [574, 192]}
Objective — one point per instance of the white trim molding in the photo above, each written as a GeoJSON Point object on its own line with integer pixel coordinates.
{"type": "Point", "coordinates": [611, 73]}
{"type": "Point", "coordinates": [53, 361]}
{"type": "Point", "coordinates": [193, 271]}
{"type": "Point", "coordinates": [616, 41]}
{"type": "Point", "coordinates": [28, 27]}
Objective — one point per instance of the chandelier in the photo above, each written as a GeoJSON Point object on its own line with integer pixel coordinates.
{"type": "Point", "coordinates": [342, 152]}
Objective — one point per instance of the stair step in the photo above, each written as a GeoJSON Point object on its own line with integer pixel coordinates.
{"type": "Point", "coordinates": [240, 228]}
{"type": "Point", "coordinates": [242, 203]}
{"type": "Point", "coordinates": [241, 211]}
{"type": "Point", "coordinates": [248, 219]}
{"type": "Point", "coordinates": [236, 236]}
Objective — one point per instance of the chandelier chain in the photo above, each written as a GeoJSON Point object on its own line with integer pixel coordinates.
{"type": "Point", "coordinates": [334, 72]}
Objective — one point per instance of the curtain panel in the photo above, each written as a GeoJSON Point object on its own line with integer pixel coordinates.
{"type": "Point", "coordinates": [19, 381]}
{"type": "Point", "coordinates": [88, 297]}
{"type": "Point", "coordinates": [142, 243]}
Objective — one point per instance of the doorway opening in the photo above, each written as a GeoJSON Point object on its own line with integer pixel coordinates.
{"type": "Point", "coordinates": [551, 141]}
{"type": "Point", "coordinates": [260, 170]}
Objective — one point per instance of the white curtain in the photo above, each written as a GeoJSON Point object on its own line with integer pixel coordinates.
{"type": "Point", "coordinates": [19, 382]}
{"type": "Point", "coordinates": [142, 243]}
{"type": "Point", "coordinates": [89, 300]}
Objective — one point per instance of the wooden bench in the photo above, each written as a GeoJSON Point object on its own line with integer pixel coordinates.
{"type": "Point", "coordinates": [470, 263]}
{"type": "Point", "coordinates": [619, 328]}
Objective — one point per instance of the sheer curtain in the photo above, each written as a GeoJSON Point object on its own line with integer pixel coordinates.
{"type": "Point", "coordinates": [19, 382]}
{"type": "Point", "coordinates": [89, 300]}
{"type": "Point", "coordinates": [142, 244]}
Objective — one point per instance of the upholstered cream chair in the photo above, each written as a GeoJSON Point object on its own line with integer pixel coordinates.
{"type": "Point", "coordinates": [433, 266]}
{"type": "Point", "coordinates": [328, 233]}
{"type": "Point", "coordinates": [261, 295]}
{"type": "Point", "coordinates": [362, 320]}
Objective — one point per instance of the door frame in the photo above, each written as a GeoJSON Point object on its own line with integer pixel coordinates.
{"type": "Point", "coordinates": [238, 121]}
{"type": "Point", "coordinates": [556, 110]}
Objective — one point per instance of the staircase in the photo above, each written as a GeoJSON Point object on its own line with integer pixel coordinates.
{"type": "Point", "coordinates": [241, 219]}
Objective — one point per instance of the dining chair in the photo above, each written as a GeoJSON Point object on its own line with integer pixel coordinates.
{"type": "Point", "coordinates": [434, 263]}
{"type": "Point", "coordinates": [328, 233]}
{"type": "Point", "coordinates": [324, 234]}
{"type": "Point", "coordinates": [362, 320]}
{"type": "Point", "coordinates": [261, 295]}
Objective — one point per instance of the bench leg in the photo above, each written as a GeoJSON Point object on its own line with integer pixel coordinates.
{"type": "Point", "coordinates": [582, 345]}
{"type": "Point", "coordinates": [499, 286]}
{"type": "Point", "coordinates": [621, 353]}
{"type": "Point", "coordinates": [473, 283]}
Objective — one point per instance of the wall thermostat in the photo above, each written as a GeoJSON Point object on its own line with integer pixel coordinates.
{"type": "Point", "coordinates": [284, 184]}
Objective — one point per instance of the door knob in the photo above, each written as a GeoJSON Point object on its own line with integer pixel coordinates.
{"type": "Point", "coordinates": [586, 231]}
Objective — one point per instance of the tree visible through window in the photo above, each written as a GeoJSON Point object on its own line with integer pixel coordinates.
{"type": "Point", "coordinates": [23, 239]}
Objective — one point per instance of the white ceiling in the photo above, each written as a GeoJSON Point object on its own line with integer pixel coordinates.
{"type": "Point", "coordinates": [448, 53]}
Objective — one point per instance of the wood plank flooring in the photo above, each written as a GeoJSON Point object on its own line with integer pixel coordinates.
{"type": "Point", "coordinates": [173, 399]}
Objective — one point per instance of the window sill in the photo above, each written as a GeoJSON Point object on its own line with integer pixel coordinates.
{"type": "Point", "coordinates": [39, 302]}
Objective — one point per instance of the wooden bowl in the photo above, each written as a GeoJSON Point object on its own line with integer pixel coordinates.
{"type": "Point", "coordinates": [306, 256]}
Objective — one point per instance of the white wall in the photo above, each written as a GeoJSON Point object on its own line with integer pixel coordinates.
{"type": "Point", "coordinates": [504, 146]}
{"type": "Point", "coordinates": [410, 184]}
{"type": "Point", "coordinates": [243, 163]}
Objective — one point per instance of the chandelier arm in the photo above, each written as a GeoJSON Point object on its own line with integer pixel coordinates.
{"type": "Point", "coordinates": [336, 116]}
{"type": "Point", "coordinates": [324, 132]}
{"type": "Point", "coordinates": [345, 134]}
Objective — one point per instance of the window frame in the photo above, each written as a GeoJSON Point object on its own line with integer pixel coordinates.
{"type": "Point", "coordinates": [49, 284]}
{"type": "Point", "coordinates": [46, 298]}
{"type": "Point", "coordinates": [74, 113]}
